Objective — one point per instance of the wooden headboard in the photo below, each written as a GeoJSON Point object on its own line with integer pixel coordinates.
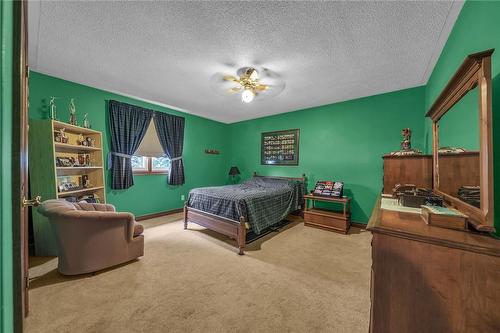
{"type": "Point", "coordinates": [302, 179]}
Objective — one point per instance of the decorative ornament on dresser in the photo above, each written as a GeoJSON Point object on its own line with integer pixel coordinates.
{"type": "Point", "coordinates": [72, 112]}
{"type": "Point", "coordinates": [406, 148]}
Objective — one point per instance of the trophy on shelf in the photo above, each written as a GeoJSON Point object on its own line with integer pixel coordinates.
{"type": "Point", "coordinates": [72, 112]}
{"type": "Point", "coordinates": [52, 108]}
{"type": "Point", "coordinates": [86, 122]}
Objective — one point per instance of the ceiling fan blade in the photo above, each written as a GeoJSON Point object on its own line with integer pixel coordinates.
{"type": "Point", "coordinates": [261, 87]}
{"type": "Point", "coordinates": [231, 78]}
{"type": "Point", "coordinates": [221, 83]}
{"type": "Point", "coordinates": [234, 90]}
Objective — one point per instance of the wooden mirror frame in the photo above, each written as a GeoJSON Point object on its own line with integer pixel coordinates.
{"type": "Point", "coordinates": [474, 72]}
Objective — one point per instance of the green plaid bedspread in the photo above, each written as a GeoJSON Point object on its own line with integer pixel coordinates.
{"type": "Point", "coordinates": [262, 201]}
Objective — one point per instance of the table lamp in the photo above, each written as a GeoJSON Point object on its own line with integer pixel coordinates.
{"type": "Point", "coordinates": [234, 172]}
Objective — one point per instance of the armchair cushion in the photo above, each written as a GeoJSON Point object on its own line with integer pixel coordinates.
{"type": "Point", "coordinates": [83, 205]}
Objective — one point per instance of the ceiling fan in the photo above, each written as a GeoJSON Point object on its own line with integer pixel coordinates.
{"type": "Point", "coordinates": [249, 82]}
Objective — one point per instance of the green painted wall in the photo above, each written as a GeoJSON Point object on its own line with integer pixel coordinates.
{"type": "Point", "coordinates": [150, 194]}
{"type": "Point", "coordinates": [6, 304]}
{"type": "Point", "coordinates": [476, 29]}
{"type": "Point", "coordinates": [343, 141]}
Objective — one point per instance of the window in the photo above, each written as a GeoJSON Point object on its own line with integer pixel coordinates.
{"type": "Point", "coordinates": [150, 165]}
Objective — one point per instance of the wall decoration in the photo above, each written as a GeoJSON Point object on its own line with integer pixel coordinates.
{"type": "Point", "coordinates": [280, 147]}
{"type": "Point", "coordinates": [212, 151]}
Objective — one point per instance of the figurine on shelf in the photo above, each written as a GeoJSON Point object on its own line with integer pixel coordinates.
{"type": "Point", "coordinates": [90, 142]}
{"type": "Point", "coordinates": [72, 112]}
{"type": "Point", "coordinates": [84, 181]}
{"type": "Point", "coordinates": [81, 160]}
{"type": "Point", "coordinates": [52, 108]}
{"type": "Point", "coordinates": [61, 136]}
{"type": "Point", "coordinates": [82, 141]}
{"type": "Point", "coordinates": [86, 122]}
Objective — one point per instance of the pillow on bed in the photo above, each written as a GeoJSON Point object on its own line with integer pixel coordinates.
{"type": "Point", "coordinates": [268, 181]}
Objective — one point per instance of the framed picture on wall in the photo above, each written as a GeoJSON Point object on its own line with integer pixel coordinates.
{"type": "Point", "coordinates": [280, 147]}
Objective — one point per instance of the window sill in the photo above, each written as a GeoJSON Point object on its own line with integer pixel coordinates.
{"type": "Point", "coordinates": [146, 173]}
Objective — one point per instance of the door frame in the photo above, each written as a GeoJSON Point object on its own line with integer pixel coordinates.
{"type": "Point", "coordinates": [20, 163]}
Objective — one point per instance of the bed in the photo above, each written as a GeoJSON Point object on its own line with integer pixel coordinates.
{"type": "Point", "coordinates": [257, 205]}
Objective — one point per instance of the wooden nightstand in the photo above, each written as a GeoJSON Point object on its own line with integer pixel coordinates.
{"type": "Point", "coordinates": [334, 220]}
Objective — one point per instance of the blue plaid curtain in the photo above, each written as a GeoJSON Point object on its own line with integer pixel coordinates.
{"type": "Point", "coordinates": [170, 130]}
{"type": "Point", "coordinates": [128, 124]}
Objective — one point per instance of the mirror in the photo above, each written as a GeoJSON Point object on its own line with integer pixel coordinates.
{"type": "Point", "coordinates": [462, 143]}
{"type": "Point", "coordinates": [458, 154]}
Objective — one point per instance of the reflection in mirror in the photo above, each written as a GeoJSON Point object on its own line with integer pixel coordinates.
{"type": "Point", "coordinates": [459, 144]}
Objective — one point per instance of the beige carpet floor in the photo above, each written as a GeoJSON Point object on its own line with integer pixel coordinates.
{"type": "Point", "coordinates": [301, 279]}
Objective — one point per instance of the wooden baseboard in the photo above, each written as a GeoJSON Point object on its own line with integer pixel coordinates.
{"type": "Point", "coordinates": [159, 214]}
{"type": "Point", "coordinates": [358, 225]}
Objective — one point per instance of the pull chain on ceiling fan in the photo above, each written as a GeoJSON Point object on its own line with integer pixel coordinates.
{"type": "Point", "coordinates": [249, 83]}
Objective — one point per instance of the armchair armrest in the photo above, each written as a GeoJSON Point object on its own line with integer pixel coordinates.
{"type": "Point", "coordinates": [110, 218]}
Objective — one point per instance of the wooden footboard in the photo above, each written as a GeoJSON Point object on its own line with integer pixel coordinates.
{"type": "Point", "coordinates": [222, 225]}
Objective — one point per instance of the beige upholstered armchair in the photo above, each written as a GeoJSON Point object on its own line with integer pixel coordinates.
{"type": "Point", "coordinates": [91, 237]}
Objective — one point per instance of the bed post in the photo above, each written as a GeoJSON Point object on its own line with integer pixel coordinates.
{"type": "Point", "coordinates": [185, 217]}
{"type": "Point", "coordinates": [242, 233]}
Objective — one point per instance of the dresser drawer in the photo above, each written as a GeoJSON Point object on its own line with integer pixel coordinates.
{"type": "Point", "coordinates": [327, 219]}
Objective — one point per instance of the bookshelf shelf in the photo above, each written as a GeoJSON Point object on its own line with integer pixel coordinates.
{"type": "Point", "coordinates": [65, 147]}
{"type": "Point", "coordinates": [80, 191]}
{"type": "Point", "coordinates": [80, 168]}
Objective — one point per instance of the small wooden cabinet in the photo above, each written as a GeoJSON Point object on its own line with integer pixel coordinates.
{"type": "Point", "coordinates": [411, 169]}
{"type": "Point", "coordinates": [334, 220]}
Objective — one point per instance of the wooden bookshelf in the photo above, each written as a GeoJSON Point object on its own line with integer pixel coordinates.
{"type": "Point", "coordinates": [46, 175]}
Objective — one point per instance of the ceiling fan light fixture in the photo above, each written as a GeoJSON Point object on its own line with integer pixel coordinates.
{"type": "Point", "coordinates": [252, 73]}
{"type": "Point", "coordinates": [247, 96]}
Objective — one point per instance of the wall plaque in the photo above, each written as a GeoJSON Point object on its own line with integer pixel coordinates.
{"type": "Point", "coordinates": [280, 148]}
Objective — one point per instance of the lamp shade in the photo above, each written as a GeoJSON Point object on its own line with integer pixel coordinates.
{"type": "Point", "coordinates": [234, 171]}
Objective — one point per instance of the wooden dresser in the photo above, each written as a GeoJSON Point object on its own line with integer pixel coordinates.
{"type": "Point", "coordinates": [412, 169]}
{"type": "Point", "coordinates": [431, 279]}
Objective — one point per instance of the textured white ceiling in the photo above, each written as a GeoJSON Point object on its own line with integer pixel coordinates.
{"type": "Point", "coordinates": [166, 52]}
